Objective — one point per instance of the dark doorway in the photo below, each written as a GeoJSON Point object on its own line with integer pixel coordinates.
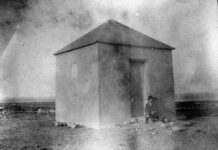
{"type": "Point", "coordinates": [136, 88]}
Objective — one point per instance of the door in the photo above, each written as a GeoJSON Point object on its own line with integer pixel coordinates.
{"type": "Point", "coordinates": [136, 88]}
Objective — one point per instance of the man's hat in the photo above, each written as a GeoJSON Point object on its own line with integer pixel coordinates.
{"type": "Point", "coordinates": [150, 98]}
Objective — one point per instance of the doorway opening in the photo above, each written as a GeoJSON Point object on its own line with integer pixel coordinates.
{"type": "Point", "coordinates": [138, 86]}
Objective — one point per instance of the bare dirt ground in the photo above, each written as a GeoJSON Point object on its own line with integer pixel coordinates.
{"type": "Point", "coordinates": [32, 131]}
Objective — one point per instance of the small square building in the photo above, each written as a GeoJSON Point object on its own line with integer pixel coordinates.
{"type": "Point", "coordinates": [104, 77]}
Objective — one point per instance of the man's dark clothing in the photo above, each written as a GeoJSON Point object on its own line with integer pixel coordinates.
{"type": "Point", "coordinates": [151, 111]}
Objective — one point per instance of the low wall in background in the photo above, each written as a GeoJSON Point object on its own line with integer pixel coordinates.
{"type": "Point", "coordinates": [196, 104]}
{"type": "Point", "coordinates": [28, 107]}
{"type": "Point", "coordinates": [190, 108]}
{"type": "Point", "coordinates": [28, 104]}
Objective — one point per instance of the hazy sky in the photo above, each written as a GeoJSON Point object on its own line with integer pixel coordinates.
{"type": "Point", "coordinates": [32, 30]}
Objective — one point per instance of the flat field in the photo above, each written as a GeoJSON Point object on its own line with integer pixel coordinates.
{"type": "Point", "coordinates": [36, 131]}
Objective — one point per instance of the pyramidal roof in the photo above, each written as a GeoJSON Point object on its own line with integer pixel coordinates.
{"type": "Point", "coordinates": [113, 32]}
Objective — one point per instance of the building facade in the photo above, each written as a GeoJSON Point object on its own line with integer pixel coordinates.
{"type": "Point", "coordinates": [104, 77]}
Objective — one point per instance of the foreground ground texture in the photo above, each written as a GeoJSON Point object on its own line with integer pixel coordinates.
{"type": "Point", "coordinates": [37, 131]}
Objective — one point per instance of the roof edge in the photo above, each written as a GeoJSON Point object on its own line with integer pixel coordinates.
{"type": "Point", "coordinates": [129, 45]}
{"type": "Point", "coordinates": [58, 53]}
